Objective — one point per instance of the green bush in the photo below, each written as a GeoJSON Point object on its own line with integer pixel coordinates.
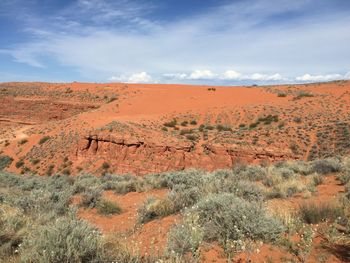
{"type": "Point", "coordinates": [106, 207]}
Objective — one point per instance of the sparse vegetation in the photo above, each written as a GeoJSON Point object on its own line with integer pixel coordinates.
{"type": "Point", "coordinates": [38, 222]}
{"type": "Point", "coordinates": [23, 141]}
{"type": "Point", "coordinates": [170, 124]}
{"type": "Point", "coordinates": [313, 213]}
{"type": "Point", "coordinates": [106, 207]}
{"type": "Point", "coordinates": [44, 139]}
{"type": "Point", "coordinates": [303, 94]}
{"type": "Point", "coordinates": [5, 161]}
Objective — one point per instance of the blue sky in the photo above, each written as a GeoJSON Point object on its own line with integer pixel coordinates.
{"type": "Point", "coordinates": [175, 41]}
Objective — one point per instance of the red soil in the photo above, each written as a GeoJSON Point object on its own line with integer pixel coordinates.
{"type": "Point", "coordinates": [123, 125]}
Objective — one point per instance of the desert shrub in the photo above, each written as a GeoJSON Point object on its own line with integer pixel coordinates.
{"type": "Point", "coordinates": [345, 177]}
{"type": "Point", "coordinates": [253, 125]}
{"type": "Point", "coordinates": [268, 119]}
{"type": "Point", "coordinates": [12, 232]}
{"type": "Point", "coordinates": [184, 123]}
{"type": "Point", "coordinates": [299, 167]}
{"type": "Point", "coordinates": [250, 172]}
{"type": "Point", "coordinates": [170, 123]}
{"type": "Point", "coordinates": [287, 188]}
{"type": "Point", "coordinates": [23, 141]}
{"type": "Point", "coordinates": [105, 166]}
{"type": "Point", "coordinates": [186, 236]}
{"type": "Point", "coordinates": [91, 197]}
{"type": "Point", "coordinates": [227, 217]}
{"type": "Point", "coordinates": [49, 171]}
{"type": "Point", "coordinates": [106, 207]}
{"type": "Point", "coordinates": [318, 179]}
{"type": "Point", "coordinates": [154, 208]}
{"type": "Point", "coordinates": [122, 184]}
{"type": "Point", "coordinates": [272, 179]}
{"type": "Point", "coordinates": [193, 122]}
{"type": "Point", "coordinates": [111, 99]}
{"type": "Point", "coordinates": [84, 182]}
{"type": "Point", "coordinates": [183, 196]}
{"type": "Point", "coordinates": [39, 201]}
{"type": "Point", "coordinates": [220, 127]}
{"type": "Point", "coordinates": [186, 131]}
{"type": "Point", "coordinates": [35, 161]}
{"type": "Point", "coordinates": [284, 172]}
{"type": "Point", "coordinates": [191, 137]}
{"type": "Point", "coordinates": [249, 191]}
{"type": "Point", "coordinates": [44, 139]}
{"type": "Point", "coordinates": [66, 171]}
{"type": "Point", "coordinates": [281, 94]}
{"type": "Point", "coordinates": [347, 190]}
{"type": "Point", "coordinates": [313, 213]}
{"type": "Point", "coordinates": [19, 164]}
{"type": "Point", "coordinates": [326, 166]}
{"type": "Point", "coordinates": [5, 161]}
{"type": "Point", "coordinates": [189, 178]}
{"type": "Point", "coordinates": [64, 240]}
{"type": "Point", "coordinates": [303, 94]}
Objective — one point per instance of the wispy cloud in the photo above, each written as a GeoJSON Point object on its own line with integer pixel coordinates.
{"type": "Point", "coordinates": [118, 38]}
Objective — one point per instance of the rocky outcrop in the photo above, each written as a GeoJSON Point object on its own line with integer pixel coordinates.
{"type": "Point", "coordinates": [138, 156]}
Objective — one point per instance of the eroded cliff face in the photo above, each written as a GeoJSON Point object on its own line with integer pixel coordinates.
{"type": "Point", "coordinates": [139, 156]}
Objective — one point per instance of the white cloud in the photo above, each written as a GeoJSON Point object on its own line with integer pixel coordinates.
{"type": "Point", "coordinates": [231, 75]}
{"type": "Point", "coordinates": [265, 77]}
{"type": "Point", "coordinates": [226, 76]}
{"type": "Point", "coordinates": [328, 77]}
{"type": "Point", "coordinates": [141, 77]}
{"type": "Point", "coordinates": [201, 74]}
